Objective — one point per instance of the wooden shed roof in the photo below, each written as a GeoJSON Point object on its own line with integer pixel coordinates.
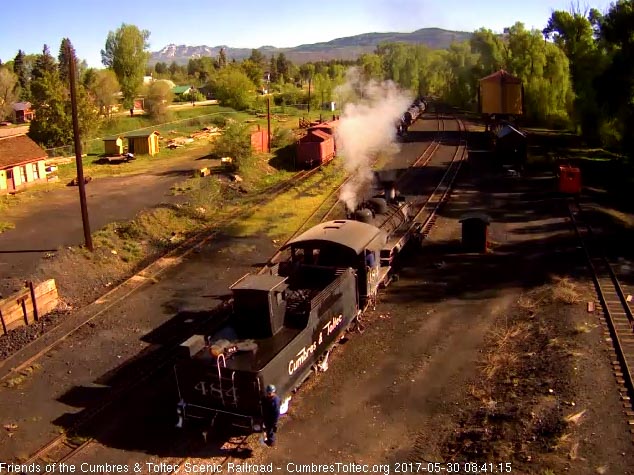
{"type": "Point", "coordinates": [136, 135]}
{"type": "Point", "coordinates": [502, 76]}
{"type": "Point", "coordinates": [18, 150]}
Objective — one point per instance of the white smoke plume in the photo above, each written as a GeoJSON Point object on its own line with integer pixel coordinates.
{"type": "Point", "coordinates": [366, 129]}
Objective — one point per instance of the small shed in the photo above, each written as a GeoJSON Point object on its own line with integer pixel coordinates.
{"type": "Point", "coordinates": [23, 112]}
{"type": "Point", "coordinates": [143, 143]}
{"type": "Point", "coordinates": [260, 140]}
{"type": "Point", "coordinates": [475, 232]}
{"type": "Point", "coordinates": [113, 145]}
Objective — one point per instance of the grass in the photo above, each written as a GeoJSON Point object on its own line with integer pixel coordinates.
{"type": "Point", "coordinates": [280, 217]}
{"type": "Point", "coordinates": [21, 377]}
{"type": "Point", "coordinates": [6, 226]}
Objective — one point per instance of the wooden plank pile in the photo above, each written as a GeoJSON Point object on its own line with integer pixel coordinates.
{"type": "Point", "coordinates": [28, 305]}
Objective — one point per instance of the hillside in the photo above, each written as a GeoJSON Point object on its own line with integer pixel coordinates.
{"type": "Point", "coordinates": [341, 48]}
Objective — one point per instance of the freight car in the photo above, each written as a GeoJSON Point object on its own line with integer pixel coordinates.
{"type": "Point", "coordinates": [283, 324]}
{"type": "Point", "coordinates": [318, 146]}
{"type": "Point", "coordinates": [410, 116]}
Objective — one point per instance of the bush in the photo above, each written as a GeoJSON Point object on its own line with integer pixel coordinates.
{"type": "Point", "coordinates": [235, 142]}
{"type": "Point", "coordinates": [281, 137]}
{"type": "Point", "coordinates": [219, 120]}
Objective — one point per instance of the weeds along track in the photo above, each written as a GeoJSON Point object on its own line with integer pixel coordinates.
{"type": "Point", "coordinates": [614, 304]}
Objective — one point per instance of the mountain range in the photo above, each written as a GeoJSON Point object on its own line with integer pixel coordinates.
{"type": "Point", "coordinates": [341, 48]}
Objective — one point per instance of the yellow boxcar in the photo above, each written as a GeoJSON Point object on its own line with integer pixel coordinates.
{"type": "Point", "coordinates": [501, 94]}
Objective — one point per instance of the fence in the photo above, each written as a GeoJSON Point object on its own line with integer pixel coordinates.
{"type": "Point", "coordinates": [28, 305]}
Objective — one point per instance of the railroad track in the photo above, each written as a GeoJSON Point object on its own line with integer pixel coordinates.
{"type": "Point", "coordinates": [615, 306]}
{"type": "Point", "coordinates": [440, 195]}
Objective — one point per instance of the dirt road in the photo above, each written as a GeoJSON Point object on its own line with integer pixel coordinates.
{"type": "Point", "coordinates": [54, 219]}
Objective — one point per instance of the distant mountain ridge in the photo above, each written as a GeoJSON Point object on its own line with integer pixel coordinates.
{"type": "Point", "coordinates": [349, 47]}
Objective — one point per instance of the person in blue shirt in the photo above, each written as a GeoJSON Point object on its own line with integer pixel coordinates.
{"type": "Point", "coordinates": [271, 413]}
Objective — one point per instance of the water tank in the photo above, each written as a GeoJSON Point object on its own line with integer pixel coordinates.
{"type": "Point", "coordinates": [364, 215]}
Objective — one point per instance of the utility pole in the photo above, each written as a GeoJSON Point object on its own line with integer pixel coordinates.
{"type": "Point", "coordinates": [309, 81]}
{"type": "Point", "coordinates": [77, 138]}
{"type": "Point", "coordinates": [268, 120]}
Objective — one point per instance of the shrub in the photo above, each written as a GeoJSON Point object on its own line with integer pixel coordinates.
{"type": "Point", "coordinates": [235, 142]}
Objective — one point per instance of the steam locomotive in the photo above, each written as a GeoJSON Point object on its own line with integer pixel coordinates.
{"type": "Point", "coordinates": [410, 116]}
{"type": "Point", "coordinates": [283, 324]}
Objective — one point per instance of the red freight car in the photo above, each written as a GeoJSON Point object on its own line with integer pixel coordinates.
{"type": "Point", "coordinates": [316, 148]}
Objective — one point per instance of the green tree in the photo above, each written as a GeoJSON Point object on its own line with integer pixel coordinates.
{"type": "Point", "coordinates": [66, 50]}
{"type": "Point", "coordinates": [52, 125]}
{"type": "Point", "coordinates": [19, 68]}
{"type": "Point", "coordinates": [616, 83]}
{"type": "Point", "coordinates": [258, 58]}
{"type": "Point", "coordinates": [575, 34]}
{"type": "Point", "coordinates": [158, 99]}
{"type": "Point", "coordinates": [9, 91]}
{"type": "Point", "coordinates": [371, 66]}
{"type": "Point", "coordinates": [125, 53]}
{"type": "Point", "coordinates": [235, 143]}
{"type": "Point", "coordinates": [233, 88]}
{"type": "Point", "coordinates": [43, 64]}
{"type": "Point", "coordinates": [222, 58]}
{"type": "Point", "coordinates": [161, 68]}
{"type": "Point", "coordinates": [103, 89]}
{"type": "Point", "coordinates": [253, 70]}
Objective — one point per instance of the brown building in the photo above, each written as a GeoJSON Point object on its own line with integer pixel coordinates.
{"type": "Point", "coordinates": [22, 112]}
{"type": "Point", "coordinates": [22, 162]}
{"type": "Point", "coordinates": [143, 143]}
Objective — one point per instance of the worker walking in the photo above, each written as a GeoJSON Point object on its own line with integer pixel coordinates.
{"type": "Point", "coordinates": [271, 413]}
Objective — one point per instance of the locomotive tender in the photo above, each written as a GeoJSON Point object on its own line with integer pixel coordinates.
{"type": "Point", "coordinates": [283, 324]}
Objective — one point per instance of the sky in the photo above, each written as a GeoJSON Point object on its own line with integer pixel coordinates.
{"type": "Point", "coordinates": [250, 23]}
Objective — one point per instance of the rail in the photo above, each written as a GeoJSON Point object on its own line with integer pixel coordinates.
{"type": "Point", "coordinates": [616, 308]}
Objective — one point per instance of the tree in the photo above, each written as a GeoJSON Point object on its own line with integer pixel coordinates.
{"type": "Point", "coordinates": [43, 64]}
{"type": "Point", "coordinates": [9, 88]}
{"type": "Point", "coordinates": [258, 58]}
{"type": "Point", "coordinates": [125, 53]}
{"type": "Point", "coordinates": [160, 68]}
{"type": "Point", "coordinates": [52, 125]}
{"type": "Point", "coordinates": [282, 66]}
{"type": "Point", "coordinates": [615, 85]}
{"type": "Point", "coordinates": [66, 50]}
{"type": "Point", "coordinates": [235, 143]}
{"type": "Point", "coordinates": [575, 33]}
{"type": "Point", "coordinates": [158, 98]}
{"type": "Point", "coordinates": [253, 70]}
{"type": "Point", "coordinates": [371, 66]}
{"type": "Point", "coordinates": [233, 88]}
{"type": "Point", "coordinates": [103, 88]}
{"type": "Point", "coordinates": [222, 58]}
{"type": "Point", "coordinates": [19, 68]}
